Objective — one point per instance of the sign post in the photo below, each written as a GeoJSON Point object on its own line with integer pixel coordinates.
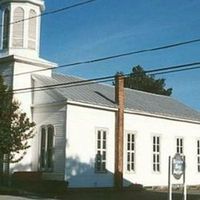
{"type": "Point", "coordinates": [169, 180]}
{"type": "Point", "coordinates": [177, 163]}
{"type": "Point", "coordinates": [184, 183]}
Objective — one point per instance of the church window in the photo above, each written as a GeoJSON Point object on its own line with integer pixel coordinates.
{"type": "Point", "coordinates": [130, 152]}
{"type": "Point", "coordinates": [101, 145]}
{"type": "Point", "coordinates": [32, 30]}
{"type": "Point", "coordinates": [179, 145]}
{"type": "Point", "coordinates": [156, 153]}
{"type": "Point", "coordinates": [6, 28]}
{"type": "Point", "coordinates": [47, 145]}
{"type": "Point", "coordinates": [18, 27]}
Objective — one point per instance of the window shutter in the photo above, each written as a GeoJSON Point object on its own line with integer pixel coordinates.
{"type": "Point", "coordinates": [18, 27]}
{"type": "Point", "coordinates": [6, 28]}
{"type": "Point", "coordinates": [32, 30]}
{"type": "Point", "coordinates": [43, 144]}
{"type": "Point", "coordinates": [50, 148]}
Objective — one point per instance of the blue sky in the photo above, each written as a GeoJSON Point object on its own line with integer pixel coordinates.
{"type": "Point", "coordinates": [107, 27]}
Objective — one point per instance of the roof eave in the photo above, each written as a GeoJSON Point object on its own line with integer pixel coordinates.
{"type": "Point", "coordinates": [175, 118]}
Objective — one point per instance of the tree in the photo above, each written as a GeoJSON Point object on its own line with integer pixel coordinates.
{"type": "Point", "coordinates": [15, 127]}
{"type": "Point", "coordinates": [139, 80]}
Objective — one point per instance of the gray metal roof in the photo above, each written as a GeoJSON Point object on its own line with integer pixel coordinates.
{"type": "Point", "coordinates": [104, 95]}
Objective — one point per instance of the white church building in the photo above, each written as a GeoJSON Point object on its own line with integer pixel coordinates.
{"type": "Point", "coordinates": [91, 135]}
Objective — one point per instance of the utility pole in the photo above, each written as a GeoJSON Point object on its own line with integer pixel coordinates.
{"type": "Point", "coordinates": [119, 131]}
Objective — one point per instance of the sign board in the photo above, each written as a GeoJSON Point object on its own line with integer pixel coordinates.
{"type": "Point", "coordinates": [178, 166]}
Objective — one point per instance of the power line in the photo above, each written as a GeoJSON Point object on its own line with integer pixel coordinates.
{"type": "Point", "coordinates": [114, 57]}
{"type": "Point", "coordinates": [95, 80]}
{"type": "Point", "coordinates": [176, 70]}
{"type": "Point", "coordinates": [65, 84]}
{"type": "Point", "coordinates": [70, 85]}
{"type": "Point", "coordinates": [68, 7]}
{"type": "Point", "coordinates": [173, 67]}
{"type": "Point", "coordinates": [102, 58]}
{"type": "Point", "coordinates": [53, 11]}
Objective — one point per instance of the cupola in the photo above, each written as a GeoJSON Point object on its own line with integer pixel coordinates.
{"type": "Point", "coordinates": [20, 27]}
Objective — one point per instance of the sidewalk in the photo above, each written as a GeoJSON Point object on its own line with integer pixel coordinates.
{"type": "Point", "coordinates": [7, 197]}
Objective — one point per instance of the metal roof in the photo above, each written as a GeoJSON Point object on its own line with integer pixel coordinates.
{"type": "Point", "coordinates": [104, 95]}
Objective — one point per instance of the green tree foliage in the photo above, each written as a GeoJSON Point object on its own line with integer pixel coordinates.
{"type": "Point", "coordinates": [15, 127]}
{"type": "Point", "coordinates": [139, 80]}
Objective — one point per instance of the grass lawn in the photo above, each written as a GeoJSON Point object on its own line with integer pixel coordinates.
{"type": "Point", "coordinates": [58, 190]}
{"type": "Point", "coordinates": [98, 195]}
{"type": "Point", "coordinates": [122, 195]}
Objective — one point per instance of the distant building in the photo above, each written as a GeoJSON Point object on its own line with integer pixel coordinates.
{"type": "Point", "coordinates": [93, 134]}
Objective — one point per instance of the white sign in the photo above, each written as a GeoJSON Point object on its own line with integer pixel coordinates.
{"type": "Point", "coordinates": [178, 166]}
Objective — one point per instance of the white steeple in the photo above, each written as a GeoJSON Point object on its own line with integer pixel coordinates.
{"type": "Point", "coordinates": [19, 46]}
{"type": "Point", "coordinates": [20, 30]}
{"type": "Point", "coordinates": [19, 53]}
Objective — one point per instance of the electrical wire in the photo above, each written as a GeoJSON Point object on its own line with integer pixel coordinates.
{"type": "Point", "coordinates": [108, 57]}
{"type": "Point", "coordinates": [113, 57]}
{"type": "Point", "coordinates": [176, 70]}
{"type": "Point", "coordinates": [68, 86]}
{"type": "Point", "coordinates": [94, 80]}
{"type": "Point", "coordinates": [173, 67]}
{"type": "Point", "coordinates": [65, 84]}
{"type": "Point", "coordinates": [52, 12]}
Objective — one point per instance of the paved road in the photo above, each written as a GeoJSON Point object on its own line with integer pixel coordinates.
{"type": "Point", "coordinates": [6, 197]}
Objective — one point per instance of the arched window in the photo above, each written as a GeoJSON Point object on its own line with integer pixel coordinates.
{"type": "Point", "coordinates": [6, 28]}
{"type": "Point", "coordinates": [43, 147]}
{"type": "Point", "coordinates": [46, 150]}
{"type": "Point", "coordinates": [32, 30]}
{"type": "Point", "coordinates": [18, 27]}
{"type": "Point", "coordinates": [50, 132]}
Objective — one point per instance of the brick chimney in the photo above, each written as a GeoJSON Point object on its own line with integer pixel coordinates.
{"type": "Point", "coordinates": [119, 132]}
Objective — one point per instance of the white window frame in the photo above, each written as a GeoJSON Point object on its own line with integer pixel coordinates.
{"type": "Point", "coordinates": [130, 155]}
{"type": "Point", "coordinates": [198, 155]}
{"type": "Point", "coordinates": [101, 138]}
{"type": "Point", "coordinates": [44, 167]}
{"type": "Point", "coordinates": [180, 145]}
{"type": "Point", "coordinates": [156, 153]}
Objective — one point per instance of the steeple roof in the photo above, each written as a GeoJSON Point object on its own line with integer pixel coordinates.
{"type": "Point", "coordinates": [23, 38]}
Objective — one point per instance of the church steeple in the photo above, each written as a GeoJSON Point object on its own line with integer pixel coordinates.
{"type": "Point", "coordinates": [20, 27]}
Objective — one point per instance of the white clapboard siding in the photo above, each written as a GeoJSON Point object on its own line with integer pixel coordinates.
{"type": "Point", "coordinates": [54, 115]}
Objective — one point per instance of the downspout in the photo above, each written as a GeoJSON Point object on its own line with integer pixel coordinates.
{"type": "Point", "coordinates": [119, 131]}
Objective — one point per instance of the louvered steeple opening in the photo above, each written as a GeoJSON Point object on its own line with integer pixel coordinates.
{"type": "Point", "coordinates": [32, 31]}
{"type": "Point", "coordinates": [18, 28]}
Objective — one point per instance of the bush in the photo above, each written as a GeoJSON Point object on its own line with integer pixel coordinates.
{"type": "Point", "coordinates": [32, 182]}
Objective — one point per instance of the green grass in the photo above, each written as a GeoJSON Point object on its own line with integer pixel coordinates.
{"type": "Point", "coordinates": [101, 194]}
{"type": "Point", "coordinates": [122, 195]}
{"type": "Point", "coordinates": [58, 190]}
